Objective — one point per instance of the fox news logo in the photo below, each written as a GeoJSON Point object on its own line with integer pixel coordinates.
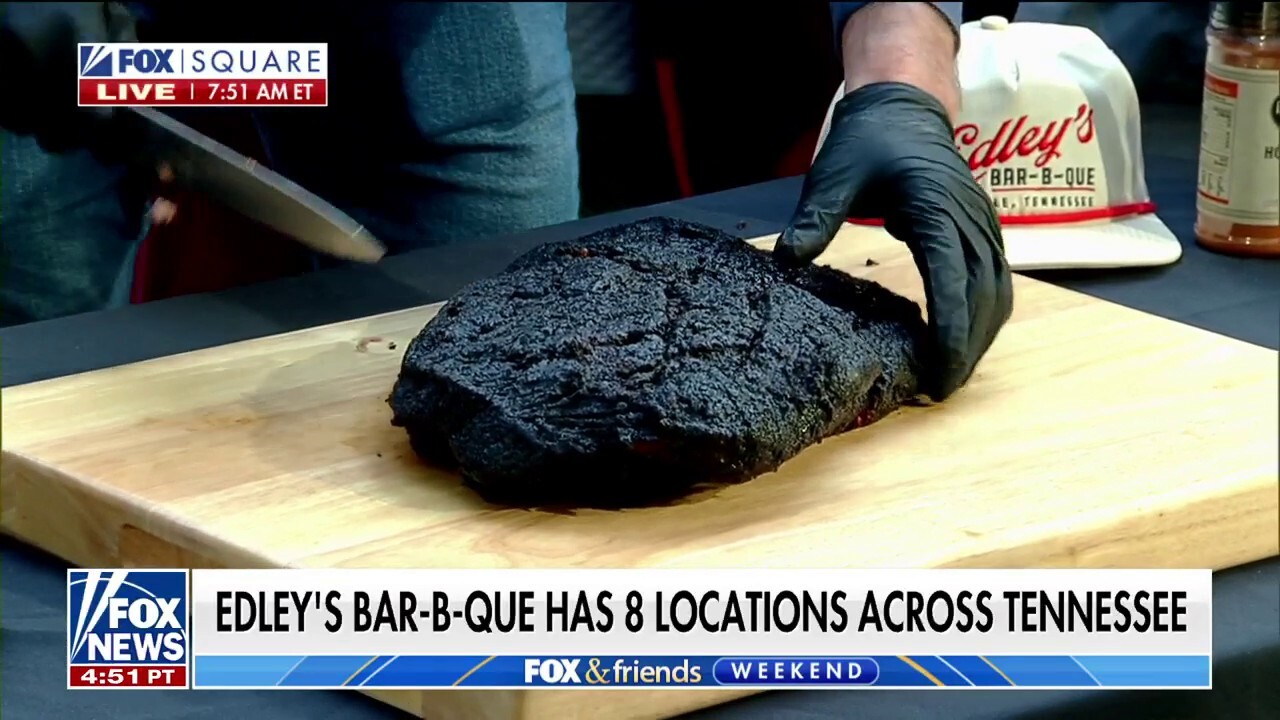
{"type": "Point", "coordinates": [127, 628]}
{"type": "Point", "coordinates": [96, 60]}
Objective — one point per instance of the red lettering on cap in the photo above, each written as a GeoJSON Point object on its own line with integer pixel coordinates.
{"type": "Point", "coordinates": [1019, 138]}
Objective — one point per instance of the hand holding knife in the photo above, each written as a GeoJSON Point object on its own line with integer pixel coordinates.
{"type": "Point", "coordinates": [205, 165]}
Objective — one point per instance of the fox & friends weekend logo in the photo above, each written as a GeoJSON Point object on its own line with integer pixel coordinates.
{"type": "Point", "coordinates": [203, 74]}
{"type": "Point", "coordinates": [127, 629]}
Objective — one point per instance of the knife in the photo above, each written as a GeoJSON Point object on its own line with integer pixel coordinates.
{"type": "Point", "coordinates": [204, 164]}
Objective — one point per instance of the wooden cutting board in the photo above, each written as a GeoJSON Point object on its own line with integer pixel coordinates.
{"type": "Point", "coordinates": [1091, 436]}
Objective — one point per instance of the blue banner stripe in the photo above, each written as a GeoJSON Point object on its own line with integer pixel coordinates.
{"type": "Point", "coordinates": [940, 670]}
{"type": "Point", "coordinates": [980, 672]}
{"type": "Point", "coordinates": [241, 670]}
{"type": "Point", "coordinates": [372, 671]}
{"type": "Point", "coordinates": [325, 670]}
{"type": "Point", "coordinates": [1042, 670]}
{"type": "Point", "coordinates": [375, 663]}
{"type": "Point", "coordinates": [1165, 671]}
{"type": "Point", "coordinates": [410, 670]}
{"type": "Point", "coordinates": [482, 671]}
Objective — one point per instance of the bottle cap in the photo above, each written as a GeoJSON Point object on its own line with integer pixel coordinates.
{"type": "Point", "coordinates": [1255, 18]}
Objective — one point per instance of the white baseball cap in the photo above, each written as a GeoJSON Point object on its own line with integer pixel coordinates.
{"type": "Point", "coordinates": [1051, 129]}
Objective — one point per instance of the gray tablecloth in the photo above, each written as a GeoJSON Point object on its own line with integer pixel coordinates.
{"type": "Point", "coordinates": [1235, 297]}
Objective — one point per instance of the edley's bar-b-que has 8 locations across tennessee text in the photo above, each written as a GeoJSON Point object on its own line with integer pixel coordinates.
{"type": "Point", "coordinates": [528, 629]}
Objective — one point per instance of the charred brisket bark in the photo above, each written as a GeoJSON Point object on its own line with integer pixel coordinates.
{"type": "Point", "coordinates": [631, 365]}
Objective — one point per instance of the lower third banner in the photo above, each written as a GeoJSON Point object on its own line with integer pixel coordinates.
{"type": "Point", "coordinates": [880, 671]}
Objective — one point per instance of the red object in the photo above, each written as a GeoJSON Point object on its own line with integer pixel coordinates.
{"type": "Point", "coordinates": [289, 92]}
{"type": "Point", "coordinates": [795, 161]}
{"type": "Point", "coordinates": [207, 247]}
{"type": "Point", "coordinates": [127, 676]}
{"type": "Point", "coordinates": [1118, 211]}
{"type": "Point", "coordinates": [799, 158]}
{"type": "Point", "coordinates": [669, 95]}
{"type": "Point", "coordinates": [1018, 137]}
{"type": "Point", "coordinates": [710, 92]}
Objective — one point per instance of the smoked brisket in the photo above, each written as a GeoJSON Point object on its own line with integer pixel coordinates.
{"type": "Point", "coordinates": [631, 365]}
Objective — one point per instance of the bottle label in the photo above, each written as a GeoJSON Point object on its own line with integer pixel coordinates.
{"type": "Point", "coordinates": [1240, 145]}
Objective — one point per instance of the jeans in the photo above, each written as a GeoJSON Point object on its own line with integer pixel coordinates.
{"type": "Point", "coordinates": [447, 123]}
{"type": "Point", "coordinates": [68, 230]}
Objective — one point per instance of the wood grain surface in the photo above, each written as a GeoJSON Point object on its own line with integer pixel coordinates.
{"type": "Point", "coordinates": [1091, 436]}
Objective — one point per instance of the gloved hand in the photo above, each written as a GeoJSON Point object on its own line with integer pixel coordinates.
{"type": "Point", "coordinates": [38, 70]}
{"type": "Point", "coordinates": [890, 153]}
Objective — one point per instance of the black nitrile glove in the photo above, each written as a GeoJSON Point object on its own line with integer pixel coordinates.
{"type": "Point", "coordinates": [889, 153]}
{"type": "Point", "coordinates": [38, 70]}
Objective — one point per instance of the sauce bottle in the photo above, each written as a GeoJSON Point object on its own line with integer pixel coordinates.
{"type": "Point", "coordinates": [1238, 193]}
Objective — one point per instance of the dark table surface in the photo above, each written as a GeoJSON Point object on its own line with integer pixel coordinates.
{"type": "Point", "coordinates": [1238, 298]}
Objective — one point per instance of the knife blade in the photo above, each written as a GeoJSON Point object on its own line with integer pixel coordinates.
{"type": "Point", "coordinates": [242, 184]}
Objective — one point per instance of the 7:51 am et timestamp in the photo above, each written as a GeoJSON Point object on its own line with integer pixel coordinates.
{"type": "Point", "coordinates": [257, 92]}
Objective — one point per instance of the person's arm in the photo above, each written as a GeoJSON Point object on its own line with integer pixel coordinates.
{"type": "Point", "coordinates": [906, 42]}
